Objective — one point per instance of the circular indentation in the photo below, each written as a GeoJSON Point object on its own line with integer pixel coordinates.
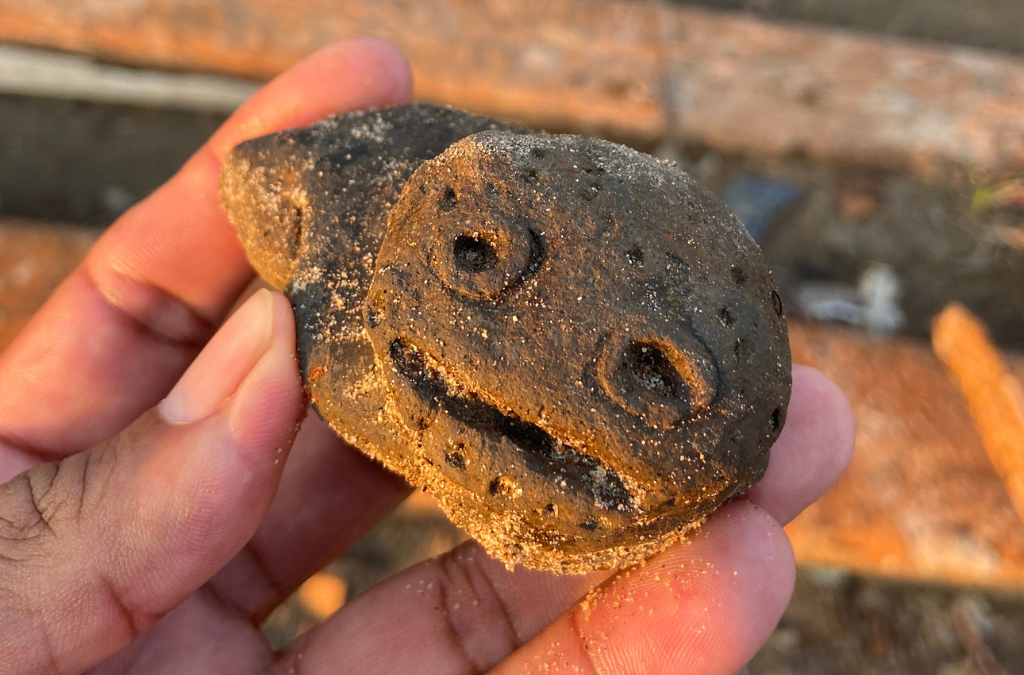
{"type": "Point", "coordinates": [448, 199]}
{"type": "Point", "coordinates": [538, 153]}
{"type": "Point", "coordinates": [775, 421]}
{"type": "Point", "coordinates": [483, 263]}
{"type": "Point", "coordinates": [726, 317]}
{"type": "Point", "coordinates": [588, 525]}
{"type": "Point", "coordinates": [530, 177]}
{"type": "Point", "coordinates": [591, 193]}
{"type": "Point", "coordinates": [739, 275]}
{"type": "Point", "coordinates": [635, 256]}
{"type": "Point", "coordinates": [777, 303]}
{"type": "Point", "coordinates": [664, 382]}
{"type": "Point", "coordinates": [474, 254]}
{"type": "Point", "coordinates": [651, 370]}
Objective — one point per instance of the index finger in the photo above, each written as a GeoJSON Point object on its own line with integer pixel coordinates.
{"type": "Point", "coordinates": [122, 328]}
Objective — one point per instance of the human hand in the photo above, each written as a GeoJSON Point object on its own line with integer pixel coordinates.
{"type": "Point", "coordinates": [151, 526]}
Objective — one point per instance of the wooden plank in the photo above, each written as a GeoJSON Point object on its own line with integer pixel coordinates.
{"type": "Point", "coordinates": [602, 66]}
{"type": "Point", "coordinates": [34, 259]}
{"type": "Point", "coordinates": [992, 395]}
{"type": "Point", "coordinates": [920, 500]}
{"type": "Point", "coordinates": [33, 72]}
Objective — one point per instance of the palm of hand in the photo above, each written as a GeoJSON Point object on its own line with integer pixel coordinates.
{"type": "Point", "coordinates": [158, 545]}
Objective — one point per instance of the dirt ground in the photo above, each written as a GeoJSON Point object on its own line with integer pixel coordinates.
{"type": "Point", "coordinates": [85, 164]}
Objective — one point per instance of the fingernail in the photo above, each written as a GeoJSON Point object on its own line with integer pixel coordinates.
{"type": "Point", "coordinates": [224, 363]}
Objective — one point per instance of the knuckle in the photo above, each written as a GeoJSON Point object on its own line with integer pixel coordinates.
{"type": "Point", "coordinates": [45, 522]}
{"type": "Point", "coordinates": [40, 504]}
{"type": "Point", "coordinates": [477, 619]}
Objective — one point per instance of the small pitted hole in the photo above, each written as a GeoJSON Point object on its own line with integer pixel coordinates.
{"type": "Point", "coordinates": [375, 308]}
{"type": "Point", "coordinates": [551, 510]}
{"type": "Point", "coordinates": [740, 348]}
{"type": "Point", "coordinates": [296, 219]}
{"type": "Point", "coordinates": [726, 316]}
{"type": "Point", "coordinates": [739, 276]}
{"type": "Point", "coordinates": [635, 256]}
{"type": "Point", "coordinates": [538, 153]}
{"type": "Point", "coordinates": [592, 192]}
{"type": "Point", "coordinates": [474, 254]}
{"type": "Point", "coordinates": [492, 191]}
{"type": "Point", "coordinates": [777, 303]}
{"type": "Point", "coordinates": [448, 200]}
{"type": "Point", "coordinates": [456, 459]}
{"type": "Point", "coordinates": [505, 486]}
{"type": "Point", "coordinates": [775, 420]}
{"type": "Point", "coordinates": [652, 370]}
{"type": "Point", "coordinates": [589, 525]}
{"type": "Point", "coordinates": [530, 177]}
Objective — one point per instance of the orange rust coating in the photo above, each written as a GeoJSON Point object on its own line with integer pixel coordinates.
{"type": "Point", "coordinates": [602, 66]}
{"type": "Point", "coordinates": [921, 499]}
{"type": "Point", "coordinates": [993, 396]}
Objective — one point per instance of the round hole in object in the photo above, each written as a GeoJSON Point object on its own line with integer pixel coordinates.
{"type": "Point", "coordinates": [474, 254]}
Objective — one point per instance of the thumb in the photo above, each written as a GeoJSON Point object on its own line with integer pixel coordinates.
{"type": "Point", "coordinates": [94, 550]}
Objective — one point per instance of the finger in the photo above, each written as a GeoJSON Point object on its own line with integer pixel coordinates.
{"type": "Point", "coordinates": [123, 327]}
{"type": "Point", "coordinates": [95, 549]}
{"type": "Point", "coordinates": [464, 613]}
{"type": "Point", "coordinates": [461, 612]}
{"type": "Point", "coordinates": [330, 496]}
{"type": "Point", "coordinates": [813, 449]}
{"type": "Point", "coordinates": [704, 607]}
{"type": "Point", "coordinates": [512, 607]}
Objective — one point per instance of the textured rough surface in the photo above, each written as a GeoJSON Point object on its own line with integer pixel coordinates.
{"type": "Point", "coordinates": [311, 208]}
{"type": "Point", "coordinates": [577, 348]}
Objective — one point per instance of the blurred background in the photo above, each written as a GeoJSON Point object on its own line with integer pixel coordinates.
{"type": "Point", "coordinates": [874, 148]}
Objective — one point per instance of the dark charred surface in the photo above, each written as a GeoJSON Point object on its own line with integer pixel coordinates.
{"type": "Point", "coordinates": [577, 348]}
{"type": "Point", "coordinates": [311, 208]}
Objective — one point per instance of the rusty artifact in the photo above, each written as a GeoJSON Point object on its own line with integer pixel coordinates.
{"type": "Point", "coordinates": [573, 345]}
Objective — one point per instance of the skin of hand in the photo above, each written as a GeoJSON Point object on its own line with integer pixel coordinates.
{"type": "Point", "coordinates": [158, 504]}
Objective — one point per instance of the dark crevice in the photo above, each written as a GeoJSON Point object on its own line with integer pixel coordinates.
{"type": "Point", "coordinates": [542, 453]}
{"type": "Point", "coordinates": [474, 254]}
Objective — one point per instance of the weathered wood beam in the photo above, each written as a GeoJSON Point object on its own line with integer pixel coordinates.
{"type": "Point", "coordinates": [921, 499]}
{"type": "Point", "coordinates": [602, 66]}
{"type": "Point", "coordinates": [34, 258]}
{"type": "Point", "coordinates": [35, 72]}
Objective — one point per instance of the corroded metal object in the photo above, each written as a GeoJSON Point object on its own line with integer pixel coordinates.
{"type": "Point", "coordinates": [573, 345]}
